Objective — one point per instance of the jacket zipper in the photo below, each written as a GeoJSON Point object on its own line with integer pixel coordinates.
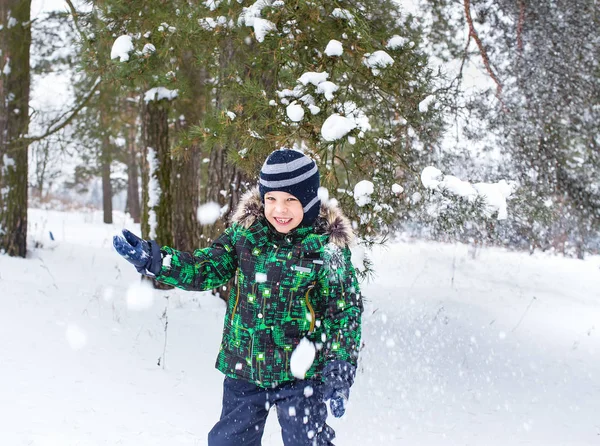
{"type": "Point", "coordinates": [310, 308]}
{"type": "Point", "coordinates": [237, 298]}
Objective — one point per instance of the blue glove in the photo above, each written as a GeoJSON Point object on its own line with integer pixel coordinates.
{"type": "Point", "coordinates": [338, 377]}
{"type": "Point", "coordinates": [144, 255]}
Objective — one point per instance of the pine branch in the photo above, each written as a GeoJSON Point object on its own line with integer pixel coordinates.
{"type": "Point", "coordinates": [58, 125]}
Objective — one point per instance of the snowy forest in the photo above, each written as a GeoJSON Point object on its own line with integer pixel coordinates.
{"type": "Point", "coordinates": [471, 121]}
{"type": "Point", "coordinates": [459, 137]}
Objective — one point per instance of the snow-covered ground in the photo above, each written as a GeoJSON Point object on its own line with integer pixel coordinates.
{"type": "Point", "coordinates": [460, 348]}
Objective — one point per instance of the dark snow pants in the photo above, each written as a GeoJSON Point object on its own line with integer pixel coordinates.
{"type": "Point", "coordinates": [300, 409]}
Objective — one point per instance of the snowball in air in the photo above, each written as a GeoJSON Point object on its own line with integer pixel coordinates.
{"type": "Point", "coordinates": [208, 213]}
{"type": "Point", "coordinates": [140, 295]}
{"type": "Point", "coordinates": [302, 358]}
{"type": "Point", "coordinates": [334, 48]}
{"type": "Point", "coordinates": [121, 48]}
{"type": "Point", "coordinates": [76, 337]}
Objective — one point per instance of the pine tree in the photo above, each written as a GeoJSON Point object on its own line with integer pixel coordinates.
{"type": "Point", "coordinates": [295, 71]}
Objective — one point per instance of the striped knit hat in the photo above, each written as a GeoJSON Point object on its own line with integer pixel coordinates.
{"type": "Point", "coordinates": [293, 172]}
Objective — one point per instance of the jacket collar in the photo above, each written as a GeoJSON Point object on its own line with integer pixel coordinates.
{"type": "Point", "coordinates": [331, 221]}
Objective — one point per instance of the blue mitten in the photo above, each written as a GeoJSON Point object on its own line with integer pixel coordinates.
{"type": "Point", "coordinates": [144, 255]}
{"type": "Point", "coordinates": [338, 377]}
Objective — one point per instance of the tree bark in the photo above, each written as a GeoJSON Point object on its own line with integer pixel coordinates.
{"type": "Point", "coordinates": [105, 160]}
{"type": "Point", "coordinates": [15, 42]}
{"type": "Point", "coordinates": [132, 204]}
{"type": "Point", "coordinates": [157, 210]}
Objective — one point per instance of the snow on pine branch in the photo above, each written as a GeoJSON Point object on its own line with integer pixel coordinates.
{"type": "Point", "coordinates": [159, 93]}
{"type": "Point", "coordinates": [121, 48]}
{"type": "Point", "coordinates": [494, 195]}
{"type": "Point", "coordinates": [251, 16]}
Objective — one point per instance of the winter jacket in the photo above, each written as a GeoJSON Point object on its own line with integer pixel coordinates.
{"type": "Point", "coordinates": [288, 287]}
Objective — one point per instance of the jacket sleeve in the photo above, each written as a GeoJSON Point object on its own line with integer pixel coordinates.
{"type": "Point", "coordinates": [202, 270]}
{"type": "Point", "coordinates": [344, 307]}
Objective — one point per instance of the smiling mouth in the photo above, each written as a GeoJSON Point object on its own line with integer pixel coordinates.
{"type": "Point", "coordinates": [283, 221]}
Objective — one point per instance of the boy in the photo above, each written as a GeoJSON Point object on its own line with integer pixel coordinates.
{"type": "Point", "coordinates": [294, 280]}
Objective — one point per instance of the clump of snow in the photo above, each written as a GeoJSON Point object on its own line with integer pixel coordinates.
{"type": "Point", "coordinates": [76, 337]}
{"type": "Point", "coordinates": [336, 126]}
{"type": "Point", "coordinates": [425, 103]}
{"type": "Point", "coordinates": [377, 60]}
{"type": "Point", "coordinates": [495, 197]}
{"type": "Point", "coordinates": [302, 358]}
{"type": "Point", "coordinates": [210, 23]}
{"type": "Point", "coordinates": [212, 4]}
{"type": "Point", "coordinates": [493, 194]}
{"type": "Point", "coordinates": [344, 14]}
{"type": "Point", "coordinates": [208, 213]}
{"type": "Point", "coordinates": [148, 49]}
{"type": "Point", "coordinates": [6, 70]}
{"type": "Point", "coordinates": [314, 109]}
{"type": "Point", "coordinates": [396, 42]}
{"type": "Point", "coordinates": [295, 112]}
{"type": "Point", "coordinates": [334, 48]}
{"type": "Point", "coordinates": [327, 88]}
{"type": "Point", "coordinates": [231, 115]}
{"type": "Point", "coordinates": [397, 189]}
{"type": "Point", "coordinates": [251, 16]}
{"type": "Point", "coordinates": [140, 295]}
{"type": "Point", "coordinates": [362, 192]}
{"type": "Point", "coordinates": [159, 93]}
{"type": "Point", "coordinates": [431, 177]}
{"type": "Point", "coordinates": [121, 48]}
{"type": "Point", "coordinates": [260, 277]}
{"type": "Point", "coordinates": [311, 77]}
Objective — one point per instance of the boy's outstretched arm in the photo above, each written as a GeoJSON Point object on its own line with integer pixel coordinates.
{"type": "Point", "coordinates": [204, 269]}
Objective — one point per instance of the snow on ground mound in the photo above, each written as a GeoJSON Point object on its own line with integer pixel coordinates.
{"type": "Point", "coordinates": [460, 347]}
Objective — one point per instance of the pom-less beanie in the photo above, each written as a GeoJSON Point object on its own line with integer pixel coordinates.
{"type": "Point", "coordinates": [293, 172]}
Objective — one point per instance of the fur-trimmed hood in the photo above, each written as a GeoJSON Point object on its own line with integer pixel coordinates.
{"type": "Point", "coordinates": [331, 221]}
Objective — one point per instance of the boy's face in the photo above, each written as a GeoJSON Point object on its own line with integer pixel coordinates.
{"type": "Point", "coordinates": [283, 211]}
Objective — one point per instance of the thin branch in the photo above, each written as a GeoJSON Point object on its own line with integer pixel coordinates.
{"type": "Point", "coordinates": [75, 16]}
{"type": "Point", "coordinates": [484, 56]}
{"type": "Point", "coordinates": [56, 126]}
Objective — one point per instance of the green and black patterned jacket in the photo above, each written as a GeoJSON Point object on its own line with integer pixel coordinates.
{"type": "Point", "coordinates": [287, 287]}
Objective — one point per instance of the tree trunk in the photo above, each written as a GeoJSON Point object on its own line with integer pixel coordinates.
{"type": "Point", "coordinates": [132, 204]}
{"type": "Point", "coordinates": [186, 163]}
{"type": "Point", "coordinates": [105, 160]}
{"type": "Point", "coordinates": [156, 176]}
{"type": "Point", "coordinates": [15, 42]}
{"type": "Point", "coordinates": [186, 174]}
